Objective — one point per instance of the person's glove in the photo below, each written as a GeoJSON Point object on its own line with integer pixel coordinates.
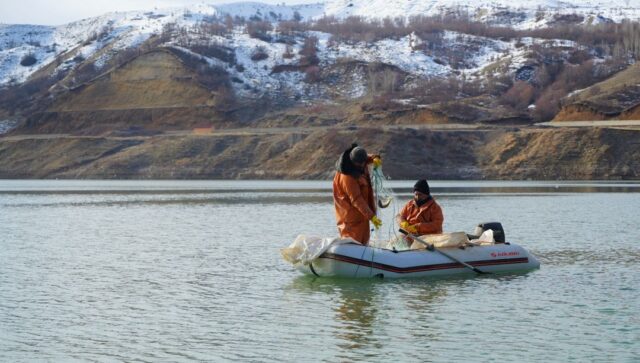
{"type": "Point", "coordinates": [377, 223]}
{"type": "Point", "coordinates": [377, 162]}
{"type": "Point", "coordinates": [408, 227]}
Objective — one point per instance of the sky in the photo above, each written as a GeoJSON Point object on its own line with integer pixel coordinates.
{"type": "Point", "coordinates": [56, 12]}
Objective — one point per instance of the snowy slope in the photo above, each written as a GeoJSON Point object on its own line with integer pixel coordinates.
{"type": "Point", "coordinates": [122, 30]}
{"type": "Point", "coordinates": [46, 43]}
{"type": "Point", "coordinates": [614, 9]}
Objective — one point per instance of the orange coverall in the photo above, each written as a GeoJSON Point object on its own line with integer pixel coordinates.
{"type": "Point", "coordinates": [427, 218]}
{"type": "Point", "coordinates": [354, 204]}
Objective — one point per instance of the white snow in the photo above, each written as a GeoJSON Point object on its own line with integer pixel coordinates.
{"type": "Point", "coordinates": [7, 125]}
{"type": "Point", "coordinates": [129, 29]}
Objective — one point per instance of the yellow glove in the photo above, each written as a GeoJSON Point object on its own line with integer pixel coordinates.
{"type": "Point", "coordinates": [408, 227]}
{"type": "Point", "coordinates": [377, 223]}
{"type": "Point", "coordinates": [377, 162]}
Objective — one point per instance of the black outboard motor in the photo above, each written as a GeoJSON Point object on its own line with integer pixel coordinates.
{"type": "Point", "coordinates": [496, 227]}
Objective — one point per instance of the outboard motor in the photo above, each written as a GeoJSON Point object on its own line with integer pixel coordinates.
{"type": "Point", "coordinates": [496, 227]}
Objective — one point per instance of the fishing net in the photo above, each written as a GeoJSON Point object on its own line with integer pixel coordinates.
{"type": "Point", "coordinates": [387, 209]}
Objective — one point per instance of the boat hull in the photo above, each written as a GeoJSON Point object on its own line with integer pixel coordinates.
{"type": "Point", "coordinates": [354, 260]}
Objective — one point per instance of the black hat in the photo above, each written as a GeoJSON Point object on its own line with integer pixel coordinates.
{"type": "Point", "coordinates": [358, 155]}
{"type": "Point", "coordinates": [421, 186]}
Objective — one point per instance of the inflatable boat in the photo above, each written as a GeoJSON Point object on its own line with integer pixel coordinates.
{"type": "Point", "coordinates": [355, 260]}
{"type": "Point", "coordinates": [343, 258]}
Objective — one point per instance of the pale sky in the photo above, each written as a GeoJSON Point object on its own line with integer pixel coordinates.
{"type": "Point", "coordinates": [56, 12]}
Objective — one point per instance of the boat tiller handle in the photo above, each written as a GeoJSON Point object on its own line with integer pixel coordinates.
{"type": "Point", "coordinates": [429, 246]}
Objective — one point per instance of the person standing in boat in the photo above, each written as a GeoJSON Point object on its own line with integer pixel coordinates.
{"type": "Point", "coordinates": [353, 194]}
{"type": "Point", "coordinates": [422, 215]}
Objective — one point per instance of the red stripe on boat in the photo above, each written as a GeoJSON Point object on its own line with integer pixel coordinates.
{"type": "Point", "coordinates": [440, 266]}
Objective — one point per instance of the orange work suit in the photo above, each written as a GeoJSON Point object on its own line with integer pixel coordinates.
{"type": "Point", "coordinates": [427, 218]}
{"type": "Point", "coordinates": [354, 204]}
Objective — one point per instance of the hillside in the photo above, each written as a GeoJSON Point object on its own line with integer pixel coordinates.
{"type": "Point", "coordinates": [407, 154]}
{"type": "Point", "coordinates": [151, 91]}
{"type": "Point", "coordinates": [224, 91]}
{"type": "Point", "coordinates": [615, 98]}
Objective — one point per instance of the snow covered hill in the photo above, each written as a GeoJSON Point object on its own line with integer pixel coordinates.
{"type": "Point", "coordinates": [482, 9]}
{"type": "Point", "coordinates": [26, 49]}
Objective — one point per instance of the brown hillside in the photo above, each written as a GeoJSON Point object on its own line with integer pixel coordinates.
{"type": "Point", "coordinates": [593, 153]}
{"type": "Point", "coordinates": [153, 91]}
{"type": "Point", "coordinates": [155, 79]}
{"type": "Point", "coordinates": [615, 98]}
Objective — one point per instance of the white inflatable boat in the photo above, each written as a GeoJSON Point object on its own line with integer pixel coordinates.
{"type": "Point", "coordinates": [355, 260]}
{"type": "Point", "coordinates": [341, 258]}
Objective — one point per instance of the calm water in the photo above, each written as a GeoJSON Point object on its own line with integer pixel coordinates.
{"type": "Point", "coordinates": [191, 271]}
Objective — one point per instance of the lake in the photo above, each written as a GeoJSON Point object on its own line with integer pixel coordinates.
{"type": "Point", "coordinates": [191, 271]}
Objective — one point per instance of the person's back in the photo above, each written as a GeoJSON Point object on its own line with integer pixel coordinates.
{"type": "Point", "coordinates": [353, 195]}
{"type": "Point", "coordinates": [421, 215]}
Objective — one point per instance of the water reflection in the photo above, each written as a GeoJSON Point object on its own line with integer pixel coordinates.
{"type": "Point", "coordinates": [357, 312]}
{"type": "Point", "coordinates": [356, 307]}
{"type": "Point", "coordinates": [360, 309]}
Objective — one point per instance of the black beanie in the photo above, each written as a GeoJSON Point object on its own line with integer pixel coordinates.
{"type": "Point", "coordinates": [421, 186]}
{"type": "Point", "coordinates": [358, 155]}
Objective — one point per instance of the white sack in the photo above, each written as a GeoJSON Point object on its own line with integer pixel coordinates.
{"type": "Point", "coordinates": [305, 249]}
{"type": "Point", "coordinates": [486, 238]}
{"type": "Point", "coordinates": [442, 240]}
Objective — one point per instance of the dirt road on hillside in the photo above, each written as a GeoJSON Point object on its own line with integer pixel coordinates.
{"type": "Point", "coordinates": [601, 123]}
{"type": "Point", "coordinates": [251, 132]}
{"type": "Point", "coordinates": [627, 124]}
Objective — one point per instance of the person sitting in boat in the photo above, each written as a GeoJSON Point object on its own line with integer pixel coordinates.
{"type": "Point", "coordinates": [353, 194]}
{"type": "Point", "coordinates": [422, 215]}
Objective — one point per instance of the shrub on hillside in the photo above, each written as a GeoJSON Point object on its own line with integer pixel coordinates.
{"type": "Point", "coordinates": [309, 52]}
{"type": "Point", "coordinates": [259, 53]}
{"type": "Point", "coordinates": [289, 27]}
{"type": "Point", "coordinates": [214, 78]}
{"type": "Point", "coordinates": [215, 50]}
{"type": "Point", "coordinates": [288, 52]}
{"type": "Point", "coordinates": [228, 23]}
{"type": "Point", "coordinates": [548, 105]}
{"type": "Point", "coordinates": [258, 29]}
{"type": "Point", "coordinates": [28, 60]}
{"type": "Point", "coordinates": [312, 74]}
{"type": "Point", "coordinates": [519, 96]}
{"type": "Point", "coordinates": [579, 56]}
{"type": "Point", "coordinates": [212, 28]}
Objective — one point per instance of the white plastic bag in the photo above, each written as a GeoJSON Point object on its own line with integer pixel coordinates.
{"type": "Point", "coordinates": [442, 240]}
{"type": "Point", "coordinates": [305, 249]}
{"type": "Point", "coordinates": [486, 238]}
